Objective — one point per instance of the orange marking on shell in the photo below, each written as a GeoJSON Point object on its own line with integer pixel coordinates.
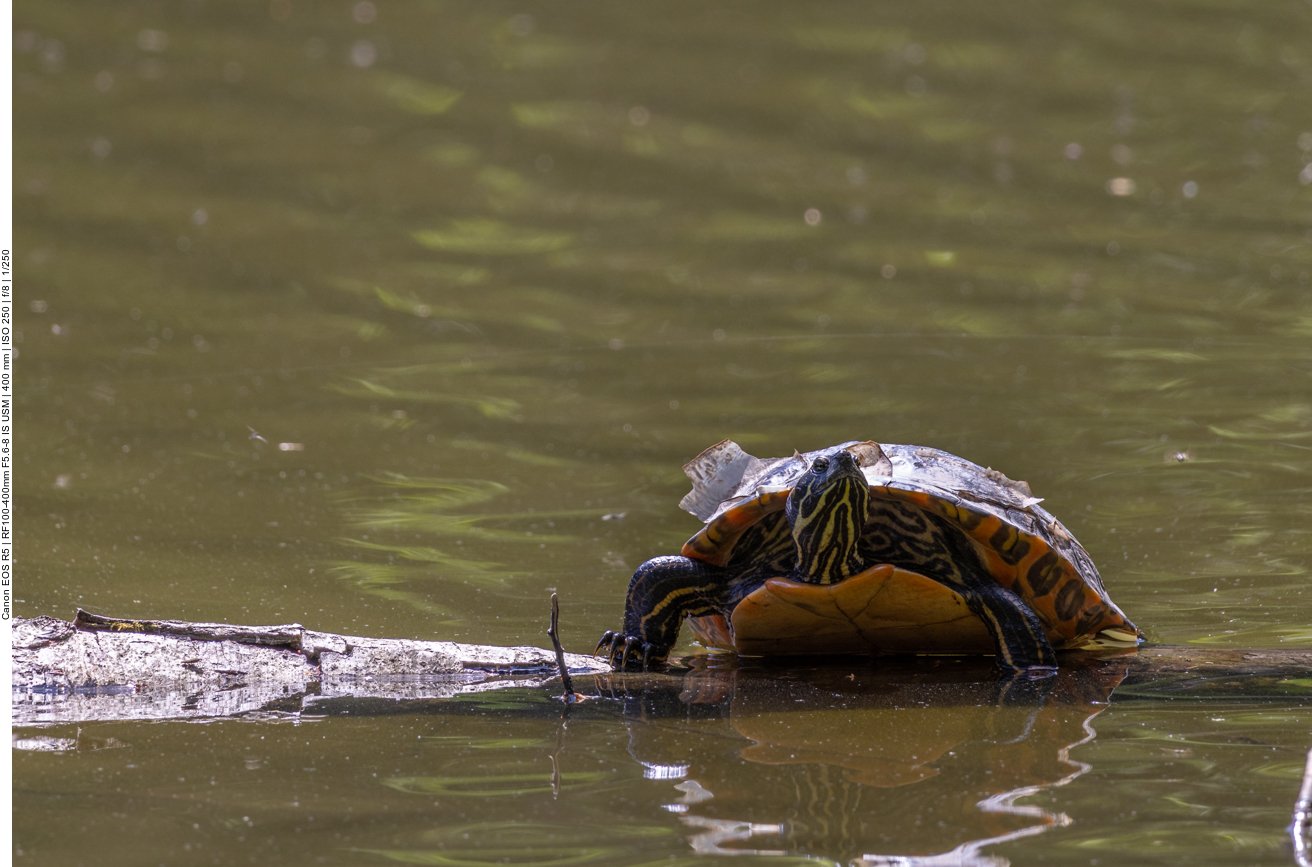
{"type": "Point", "coordinates": [1002, 571]}
{"type": "Point", "coordinates": [712, 630]}
{"type": "Point", "coordinates": [714, 542]}
{"type": "Point", "coordinates": [784, 616]}
{"type": "Point", "coordinates": [1062, 631]}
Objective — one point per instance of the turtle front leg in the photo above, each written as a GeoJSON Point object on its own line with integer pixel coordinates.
{"type": "Point", "coordinates": [1021, 644]}
{"type": "Point", "coordinates": [664, 590]}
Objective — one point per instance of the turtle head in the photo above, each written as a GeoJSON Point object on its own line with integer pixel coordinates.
{"type": "Point", "coordinates": [827, 512]}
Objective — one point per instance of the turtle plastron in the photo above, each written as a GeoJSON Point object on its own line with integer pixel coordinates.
{"type": "Point", "coordinates": [881, 610]}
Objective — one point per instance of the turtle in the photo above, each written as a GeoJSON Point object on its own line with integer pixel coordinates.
{"type": "Point", "coordinates": [868, 548]}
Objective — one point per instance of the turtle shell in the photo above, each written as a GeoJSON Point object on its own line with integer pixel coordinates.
{"type": "Point", "coordinates": [887, 609]}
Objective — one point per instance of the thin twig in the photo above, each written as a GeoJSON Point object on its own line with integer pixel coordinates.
{"type": "Point", "coordinates": [285, 635]}
{"type": "Point", "coordinates": [560, 652]}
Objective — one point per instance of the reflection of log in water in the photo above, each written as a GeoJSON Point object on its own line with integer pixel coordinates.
{"type": "Point", "coordinates": [845, 759]}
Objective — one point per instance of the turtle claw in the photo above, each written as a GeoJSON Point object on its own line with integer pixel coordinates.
{"type": "Point", "coordinates": [607, 640]}
{"type": "Point", "coordinates": [614, 644]}
{"type": "Point", "coordinates": [619, 649]}
{"type": "Point", "coordinates": [631, 648]}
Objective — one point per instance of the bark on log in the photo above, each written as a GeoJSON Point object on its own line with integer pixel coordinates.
{"type": "Point", "coordinates": [100, 667]}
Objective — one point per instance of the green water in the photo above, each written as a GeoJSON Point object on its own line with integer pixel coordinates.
{"type": "Point", "coordinates": [482, 277]}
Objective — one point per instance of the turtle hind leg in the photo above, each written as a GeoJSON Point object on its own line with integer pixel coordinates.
{"type": "Point", "coordinates": [1019, 639]}
{"type": "Point", "coordinates": [664, 590]}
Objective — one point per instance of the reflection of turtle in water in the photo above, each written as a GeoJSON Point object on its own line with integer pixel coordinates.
{"type": "Point", "coordinates": [837, 762]}
{"type": "Point", "coordinates": [866, 548]}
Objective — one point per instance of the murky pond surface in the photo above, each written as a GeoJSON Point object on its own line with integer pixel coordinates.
{"type": "Point", "coordinates": [388, 319]}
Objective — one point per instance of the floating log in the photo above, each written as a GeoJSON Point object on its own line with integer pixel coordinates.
{"type": "Point", "coordinates": [98, 667]}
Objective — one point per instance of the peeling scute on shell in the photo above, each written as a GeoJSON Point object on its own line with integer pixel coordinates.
{"type": "Point", "coordinates": [724, 475]}
{"type": "Point", "coordinates": [872, 460]}
{"type": "Point", "coordinates": [716, 474]}
{"type": "Point", "coordinates": [1059, 532]}
{"type": "Point", "coordinates": [1022, 488]}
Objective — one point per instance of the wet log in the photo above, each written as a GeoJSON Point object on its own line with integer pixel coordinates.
{"type": "Point", "coordinates": [1194, 673]}
{"type": "Point", "coordinates": [98, 667]}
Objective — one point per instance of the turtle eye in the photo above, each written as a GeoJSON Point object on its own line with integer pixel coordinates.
{"type": "Point", "coordinates": [819, 465]}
